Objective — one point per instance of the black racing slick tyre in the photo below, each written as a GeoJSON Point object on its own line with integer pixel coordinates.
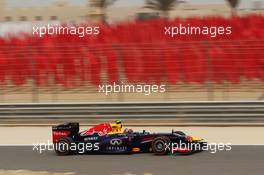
{"type": "Point", "coordinates": [161, 145]}
{"type": "Point", "coordinates": [180, 133]}
{"type": "Point", "coordinates": [63, 146]}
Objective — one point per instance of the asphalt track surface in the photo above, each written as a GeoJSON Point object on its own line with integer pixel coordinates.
{"type": "Point", "coordinates": [241, 160]}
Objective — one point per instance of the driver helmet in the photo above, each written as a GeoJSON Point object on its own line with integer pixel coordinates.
{"type": "Point", "coordinates": [119, 124]}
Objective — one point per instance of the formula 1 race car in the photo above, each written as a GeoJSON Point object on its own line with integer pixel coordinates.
{"type": "Point", "coordinates": [100, 139]}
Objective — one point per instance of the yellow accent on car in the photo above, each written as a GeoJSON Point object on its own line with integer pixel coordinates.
{"type": "Point", "coordinates": [117, 132]}
{"type": "Point", "coordinates": [136, 149]}
{"type": "Point", "coordinates": [196, 138]}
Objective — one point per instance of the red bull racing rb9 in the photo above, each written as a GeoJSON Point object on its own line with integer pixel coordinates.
{"type": "Point", "coordinates": [109, 139]}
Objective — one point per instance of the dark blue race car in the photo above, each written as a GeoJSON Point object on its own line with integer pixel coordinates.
{"type": "Point", "coordinates": [68, 140]}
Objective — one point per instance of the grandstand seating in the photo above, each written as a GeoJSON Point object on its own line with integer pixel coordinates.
{"type": "Point", "coordinates": [137, 52]}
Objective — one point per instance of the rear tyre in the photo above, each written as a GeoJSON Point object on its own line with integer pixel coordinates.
{"type": "Point", "coordinates": [161, 145]}
{"type": "Point", "coordinates": [62, 146]}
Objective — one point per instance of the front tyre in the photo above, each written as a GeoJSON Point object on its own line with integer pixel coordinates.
{"type": "Point", "coordinates": [180, 133]}
{"type": "Point", "coordinates": [161, 145]}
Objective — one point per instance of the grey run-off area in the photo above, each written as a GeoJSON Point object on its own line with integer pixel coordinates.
{"type": "Point", "coordinates": [241, 160]}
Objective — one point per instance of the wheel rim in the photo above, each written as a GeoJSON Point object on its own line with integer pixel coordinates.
{"type": "Point", "coordinates": [62, 146]}
{"type": "Point", "coordinates": [159, 146]}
